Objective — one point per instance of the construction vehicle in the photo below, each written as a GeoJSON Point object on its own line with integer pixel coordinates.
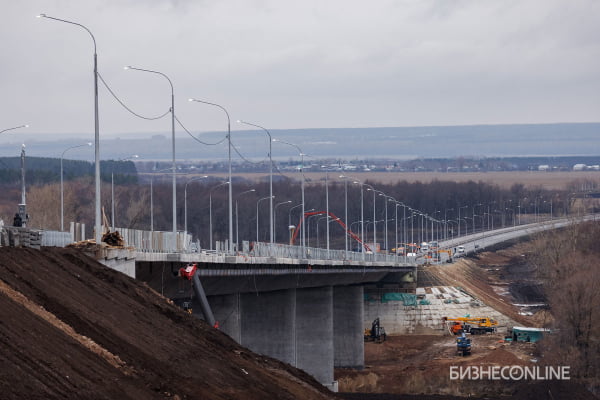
{"type": "Point", "coordinates": [189, 273]}
{"type": "Point", "coordinates": [376, 333]}
{"type": "Point", "coordinates": [448, 252]}
{"type": "Point", "coordinates": [472, 325]}
{"type": "Point", "coordinates": [463, 345]}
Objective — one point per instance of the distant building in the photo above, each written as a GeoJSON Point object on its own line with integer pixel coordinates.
{"type": "Point", "coordinates": [579, 167]}
{"type": "Point", "coordinates": [543, 168]}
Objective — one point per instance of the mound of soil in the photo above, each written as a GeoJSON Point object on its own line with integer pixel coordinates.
{"type": "Point", "coordinates": [72, 328]}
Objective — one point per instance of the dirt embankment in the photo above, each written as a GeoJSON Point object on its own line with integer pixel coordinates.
{"type": "Point", "coordinates": [72, 328]}
{"type": "Point", "coordinates": [501, 279]}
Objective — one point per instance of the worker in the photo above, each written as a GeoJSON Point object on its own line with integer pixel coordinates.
{"type": "Point", "coordinates": [17, 221]}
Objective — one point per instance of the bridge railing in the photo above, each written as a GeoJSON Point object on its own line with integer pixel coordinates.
{"type": "Point", "coordinates": [260, 249]}
{"type": "Point", "coordinates": [156, 241]}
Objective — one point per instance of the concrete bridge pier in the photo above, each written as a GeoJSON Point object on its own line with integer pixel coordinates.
{"type": "Point", "coordinates": [292, 325]}
{"type": "Point", "coordinates": [348, 326]}
{"type": "Point", "coordinates": [314, 333]}
{"type": "Point", "coordinates": [268, 323]}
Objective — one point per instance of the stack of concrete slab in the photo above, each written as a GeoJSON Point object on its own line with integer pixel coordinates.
{"type": "Point", "coordinates": [20, 237]}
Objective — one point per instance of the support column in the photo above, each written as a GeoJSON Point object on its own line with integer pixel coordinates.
{"type": "Point", "coordinates": [314, 333]}
{"type": "Point", "coordinates": [268, 323]}
{"type": "Point", "coordinates": [348, 327]}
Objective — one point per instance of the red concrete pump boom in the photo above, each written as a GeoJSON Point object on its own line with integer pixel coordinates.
{"type": "Point", "coordinates": [334, 218]}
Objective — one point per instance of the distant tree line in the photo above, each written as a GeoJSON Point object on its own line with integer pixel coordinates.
{"type": "Point", "coordinates": [42, 170]}
{"type": "Point", "coordinates": [444, 207]}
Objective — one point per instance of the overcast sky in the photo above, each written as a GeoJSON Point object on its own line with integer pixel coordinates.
{"type": "Point", "coordinates": [300, 64]}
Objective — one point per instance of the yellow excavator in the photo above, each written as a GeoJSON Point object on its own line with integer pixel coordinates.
{"type": "Point", "coordinates": [376, 333]}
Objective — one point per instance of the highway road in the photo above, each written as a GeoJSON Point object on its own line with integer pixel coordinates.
{"type": "Point", "coordinates": [483, 239]}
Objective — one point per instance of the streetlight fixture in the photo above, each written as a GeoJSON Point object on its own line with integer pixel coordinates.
{"type": "Point", "coordinates": [185, 218]}
{"type": "Point", "coordinates": [172, 145]}
{"type": "Point", "coordinates": [290, 213]}
{"type": "Point", "coordinates": [16, 127]}
{"type": "Point", "coordinates": [98, 220]}
{"type": "Point", "coordinates": [230, 189]}
{"type": "Point", "coordinates": [62, 213]}
{"type": "Point", "coordinates": [210, 210]}
{"type": "Point", "coordinates": [275, 218]}
{"type": "Point", "coordinates": [307, 220]}
{"type": "Point", "coordinates": [237, 229]}
{"type": "Point", "coordinates": [257, 203]}
{"type": "Point", "coordinates": [271, 210]}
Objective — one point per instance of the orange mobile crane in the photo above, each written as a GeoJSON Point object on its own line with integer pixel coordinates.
{"type": "Point", "coordinates": [472, 325]}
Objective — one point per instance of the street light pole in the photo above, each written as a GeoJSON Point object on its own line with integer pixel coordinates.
{"type": "Point", "coordinates": [271, 210]}
{"type": "Point", "coordinates": [62, 202]}
{"type": "Point", "coordinates": [371, 188]}
{"type": "Point", "coordinates": [98, 220]}
{"type": "Point", "coordinates": [290, 213]}
{"type": "Point", "coordinates": [174, 179]}
{"type": "Point", "coordinates": [185, 218]}
{"type": "Point", "coordinates": [237, 229]}
{"type": "Point", "coordinates": [210, 211]}
{"type": "Point", "coordinates": [275, 217]}
{"type": "Point", "coordinates": [230, 185]}
{"type": "Point", "coordinates": [302, 226]}
{"type": "Point", "coordinates": [345, 178]}
{"type": "Point", "coordinates": [259, 200]}
{"type": "Point", "coordinates": [327, 207]}
{"type": "Point", "coordinates": [112, 190]}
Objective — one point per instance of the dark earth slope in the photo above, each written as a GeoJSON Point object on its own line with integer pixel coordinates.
{"type": "Point", "coordinates": [72, 328]}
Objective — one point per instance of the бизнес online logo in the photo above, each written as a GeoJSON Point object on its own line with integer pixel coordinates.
{"type": "Point", "coordinates": [512, 373]}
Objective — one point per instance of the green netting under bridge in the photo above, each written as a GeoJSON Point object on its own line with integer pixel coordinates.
{"type": "Point", "coordinates": [407, 299]}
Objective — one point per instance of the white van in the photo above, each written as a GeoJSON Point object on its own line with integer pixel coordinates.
{"type": "Point", "coordinates": [460, 250]}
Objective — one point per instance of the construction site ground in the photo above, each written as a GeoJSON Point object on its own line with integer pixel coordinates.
{"type": "Point", "coordinates": [417, 366]}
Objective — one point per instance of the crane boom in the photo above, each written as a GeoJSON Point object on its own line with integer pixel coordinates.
{"type": "Point", "coordinates": [336, 219]}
